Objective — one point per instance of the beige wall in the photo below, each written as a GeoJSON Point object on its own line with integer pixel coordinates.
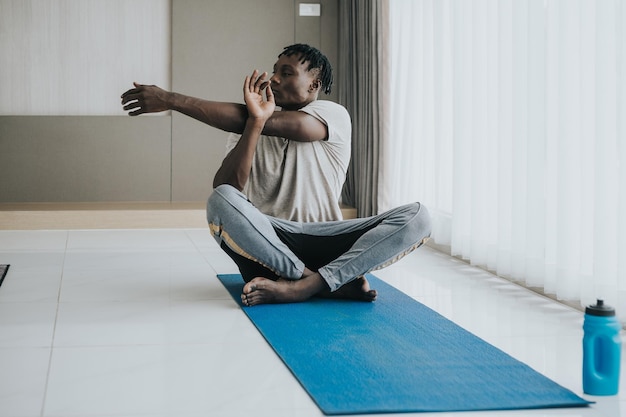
{"type": "Point", "coordinates": [159, 158]}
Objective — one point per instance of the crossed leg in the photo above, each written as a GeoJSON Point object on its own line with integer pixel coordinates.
{"type": "Point", "coordinates": [263, 291]}
{"type": "Point", "coordinates": [263, 286]}
{"type": "Point", "coordinates": [283, 261]}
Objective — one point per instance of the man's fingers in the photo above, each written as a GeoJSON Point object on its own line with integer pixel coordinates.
{"type": "Point", "coordinates": [255, 82]}
{"type": "Point", "coordinates": [130, 92]}
{"type": "Point", "coordinates": [135, 90]}
{"type": "Point", "coordinates": [129, 99]}
{"type": "Point", "coordinates": [251, 79]}
{"type": "Point", "coordinates": [136, 112]}
{"type": "Point", "coordinates": [246, 85]}
{"type": "Point", "coordinates": [134, 106]}
{"type": "Point", "coordinates": [131, 106]}
{"type": "Point", "coordinates": [260, 81]}
{"type": "Point", "coordinates": [133, 100]}
{"type": "Point", "coordinates": [269, 92]}
{"type": "Point", "coordinates": [132, 95]}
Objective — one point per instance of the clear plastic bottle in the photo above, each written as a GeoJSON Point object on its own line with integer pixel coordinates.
{"type": "Point", "coordinates": [601, 350]}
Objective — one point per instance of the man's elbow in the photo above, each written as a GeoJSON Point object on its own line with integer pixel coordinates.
{"type": "Point", "coordinates": [296, 126]}
{"type": "Point", "coordinates": [217, 181]}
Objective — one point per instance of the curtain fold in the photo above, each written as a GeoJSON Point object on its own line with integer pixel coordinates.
{"type": "Point", "coordinates": [362, 90]}
{"type": "Point", "coordinates": [508, 121]}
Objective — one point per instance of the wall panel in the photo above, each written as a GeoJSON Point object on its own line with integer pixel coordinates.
{"type": "Point", "coordinates": [84, 158]}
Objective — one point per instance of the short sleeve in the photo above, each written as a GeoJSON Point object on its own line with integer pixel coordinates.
{"type": "Point", "coordinates": [231, 142]}
{"type": "Point", "coordinates": [334, 116]}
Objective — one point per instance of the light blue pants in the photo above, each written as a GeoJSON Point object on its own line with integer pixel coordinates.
{"type": "Point", "coordinates": [340, 251]}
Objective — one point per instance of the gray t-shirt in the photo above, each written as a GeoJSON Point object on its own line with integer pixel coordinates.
{"type": "Point", "coordinates": [302, 181]}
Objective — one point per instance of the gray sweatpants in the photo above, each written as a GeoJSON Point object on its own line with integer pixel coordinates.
{"type": "Point", "coordinates": [340, 251]}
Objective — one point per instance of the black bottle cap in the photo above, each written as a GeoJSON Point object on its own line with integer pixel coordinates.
{"type": "Point", "coordinates": [600, 309]}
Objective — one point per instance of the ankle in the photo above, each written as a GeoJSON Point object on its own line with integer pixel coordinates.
{"type": "Point", "coordinates": [311, 284]}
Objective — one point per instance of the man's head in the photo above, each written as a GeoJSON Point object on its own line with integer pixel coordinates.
{"type": "Point", "coordinates": [300, 73]}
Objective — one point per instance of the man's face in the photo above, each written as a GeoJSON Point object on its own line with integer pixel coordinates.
{"type": "Point", "coordinates": [294, 87]}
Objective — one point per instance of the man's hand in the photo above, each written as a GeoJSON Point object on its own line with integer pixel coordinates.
{"type": "Point", "coordinates": [145, 99]}
{"type": "Point", "coordinates": [253, 88]}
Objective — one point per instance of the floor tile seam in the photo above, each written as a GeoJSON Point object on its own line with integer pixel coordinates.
{"type": "Point", "coordinates": [31, 250]}
{"type": "Point", "coordinates": [145, 231]}
{"type": "Point", "coordinates": [130, 346]}
{"type": "Point", "coordinates": [129, 249]}
{"type": "Point", "coordinates": [199, 251]}
{"type": "Point", "coordinates": [25, 346]}
{"type": "Point", "coordinates": [54, 328]}
{"type": "Point", "coordinates": [172, 301]}
{"type": "Point", "coordinates": [155, 300]}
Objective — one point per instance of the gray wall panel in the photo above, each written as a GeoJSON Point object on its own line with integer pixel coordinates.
{"type": "Point", "coordinates": [84, 158]}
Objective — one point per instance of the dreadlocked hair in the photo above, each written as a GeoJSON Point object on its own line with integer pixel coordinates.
{"type": "Point", "coordinates": [316, 60]}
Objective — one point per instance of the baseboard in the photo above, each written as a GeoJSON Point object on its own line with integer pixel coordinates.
{"type": "Point", "coordinates": [60, 216]}
{"type": "Point", "coordinates": [122, 215]}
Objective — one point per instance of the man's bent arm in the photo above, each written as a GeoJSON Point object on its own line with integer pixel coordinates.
{"type": "Point", "coordinates": [296, 125]}
{"type": "Point", "coordinates": [231, 117]}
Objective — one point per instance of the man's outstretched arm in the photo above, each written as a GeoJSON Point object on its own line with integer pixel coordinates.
{"type": "Point", "coordinates": [142, 99]}
{"type": "Point", "coordinates": [230, 117]}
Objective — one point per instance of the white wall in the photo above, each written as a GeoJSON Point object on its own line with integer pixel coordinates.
{"type": "Point", "coordinates": [74, 57]}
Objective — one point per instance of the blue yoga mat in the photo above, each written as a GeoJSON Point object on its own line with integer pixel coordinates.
{"type": "Point", "coordinates": [395, 355]}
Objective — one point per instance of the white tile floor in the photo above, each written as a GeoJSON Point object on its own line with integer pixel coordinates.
{"type": "Point", "coordinates": [134, 323]}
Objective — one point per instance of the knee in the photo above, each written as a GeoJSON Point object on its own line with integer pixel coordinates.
{"type": "Point", "coordinates": [419, 222]}
{"type": "Point", "coordinates": [222, 199]}
{"type": "Point", "coordinates": [227, 192]}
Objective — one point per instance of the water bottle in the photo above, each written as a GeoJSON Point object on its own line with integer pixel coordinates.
{"type": "Point", "coordinates": [601, 350]}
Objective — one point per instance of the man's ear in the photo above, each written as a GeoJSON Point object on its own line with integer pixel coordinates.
{"type": "Point", "coordinates": [315, 85]}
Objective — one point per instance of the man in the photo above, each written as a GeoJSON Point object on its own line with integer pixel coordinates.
{"type": "Point", "coordinates": [284, 232]}
{"type": "Point", "coordinates": [301, 163]}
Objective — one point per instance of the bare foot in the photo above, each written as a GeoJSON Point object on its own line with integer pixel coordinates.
{"type": "Point", "coordinates": [265, 291]}
{"type": "Point", "coordinates": [358, 289]}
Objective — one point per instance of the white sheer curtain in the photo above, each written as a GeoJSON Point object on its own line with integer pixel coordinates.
{"type": "Point", "coordinates": [75, 57]}
{"type": "Point", "coordinates": [508, 119]}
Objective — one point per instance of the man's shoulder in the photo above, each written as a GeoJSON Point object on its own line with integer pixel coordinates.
{"type": "Point", "coordinates": [323, 104]}
{"type": "Point", "coordinates": [327, 111]}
